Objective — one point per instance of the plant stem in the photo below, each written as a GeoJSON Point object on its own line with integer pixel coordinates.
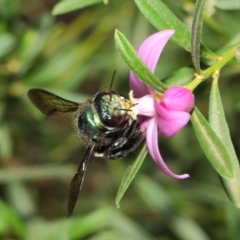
{"type": "Point", "coordinates": [209, 71]}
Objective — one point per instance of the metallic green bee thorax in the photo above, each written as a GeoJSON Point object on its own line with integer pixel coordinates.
{"type": "Point", "coordinates": [89, 123]}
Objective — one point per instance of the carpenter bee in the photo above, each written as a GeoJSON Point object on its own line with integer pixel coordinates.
{"type": "Point", "coordinates": [105, 124]}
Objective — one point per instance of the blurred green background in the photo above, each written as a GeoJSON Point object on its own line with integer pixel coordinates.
{"type": "Point", "coordinates": [74, 55]}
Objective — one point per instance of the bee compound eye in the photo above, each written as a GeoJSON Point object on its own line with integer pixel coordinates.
{"type": "Point", "coordinates": [104, 92]}
{"type": "Point", "coordinates": [113, 121]}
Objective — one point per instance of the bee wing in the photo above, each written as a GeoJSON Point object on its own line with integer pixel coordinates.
{"type": "Point", "coordinates": [77, 181]}
{"type": "Point", "coordinates": [51, 104]}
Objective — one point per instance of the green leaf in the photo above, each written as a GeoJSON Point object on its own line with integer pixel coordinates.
{"type": "Point", "coordinates": [154, 195]}
{"type": "Point", "coordinates": [161, 17]}
{"type": "Point", "coordinates": [196, 33]}
{"type": "Point", "coordinates": [218, 121]}
{"type": "Point", "coordinates": [134, 62]}
{"type": "Point", "coordinates": [36, 173]}
{"type": "Point", "coordinates": [181, 224]}
{"type": "Point", "coordinates": [228, 4]}
{"type": "Point", "coordinates": [219, 124]}
{"type": "Point", "coordinates": [208, 55]}
{"type": "Point", "coordinates": [72, 5]}
{"type": "Point", "coordinates": [212, 146]}
{"type": "Point", "coordinates": [231, 45]}
{"type": "Point", "coordinates": [16, 190]}
{"type": "Point", "coordinates": [181, 77]}
{"type": "Point", "coordinates": [130, 174]}
{"type": "Point", "coordinates": [237, 55]}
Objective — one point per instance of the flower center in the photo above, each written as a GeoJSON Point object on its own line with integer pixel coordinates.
{"type": "Point", "coordinates": [158, 96]}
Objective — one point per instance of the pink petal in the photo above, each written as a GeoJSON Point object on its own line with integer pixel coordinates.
{"type": "Point", "coordinates": [149, 51]}
{"type": "Point", "coordinates": [139, 88]}
{"type": "Point", "coordinates": [171, 122]}
{"type": "Point", "coordinates": [144, 106]}
{"type": "Point", "coordinates": [152, 145]}
{"type": "Point", "coordinates": [178, 98]}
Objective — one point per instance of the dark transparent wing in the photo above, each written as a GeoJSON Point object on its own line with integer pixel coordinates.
{"type": "Point", "coordinates": [50, 104]}
{"type": "Point", "coordinates": [77, 181]}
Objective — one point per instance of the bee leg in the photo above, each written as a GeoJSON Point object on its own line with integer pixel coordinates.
{"type": "Point", "coordinates": [127, 147]}
{"type": "Point", "coordinates": [116, 132]}
{"type": "Point", "coordinates": [117, 155]}
{"type": "Point", "coordinates": [119, 143]}
{"type": "Point", "coordinates": [112, 151]}
{"type": "Point", "coordinates": [132, 130]}
{"type": "Point", "coordinates": [134, 141]}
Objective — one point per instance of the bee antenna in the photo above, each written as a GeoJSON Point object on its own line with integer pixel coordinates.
{"type": "Point", "coordinates": [111, 84]}
{"type": "Point", "coordinates": [123, 109]}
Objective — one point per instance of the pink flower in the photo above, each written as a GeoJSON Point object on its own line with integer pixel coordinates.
{"type": "Point", "coordinates": [165, 116]}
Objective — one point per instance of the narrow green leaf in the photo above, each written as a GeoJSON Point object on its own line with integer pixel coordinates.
{"type": "Point", "coordinates": [218, 121]}
{"type": "Point", "coordinates": [161, 17]}
{"type": "Point", "coordinates": [196, 33]}
{"type": "Point", "coordinates": [181, 77]}
{"type": "Point", "coordinates": [155, 196]}
{"type": "Point", "coordinates": [134, 62]}
{"type": "Point", "coordinates": [72, 5]}
{"type": "Point", "coordinates": [181, 224]}
{"type": "Point", "coordinates": [36, 173]}
{"type": "Point", "coordinates": [237, 55]}
{"type": "Point", "coordinates": [219, 124]}
{"type": "Point", "coordinates": [16, 190]}
{"type": "Point", "coordinates": [228, 4]}
{"type": "Point", "coordinates": [207, 54]}
{"type": "Point", "coordinates": [212, 146]}
{"type": "Point", "coordinates": [130, 174]}
{"type": "Point", "coordinates": [231, 45]}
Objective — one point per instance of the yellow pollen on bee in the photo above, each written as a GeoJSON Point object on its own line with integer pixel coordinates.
{"type": "Point", "coordinates": [127, 104]}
